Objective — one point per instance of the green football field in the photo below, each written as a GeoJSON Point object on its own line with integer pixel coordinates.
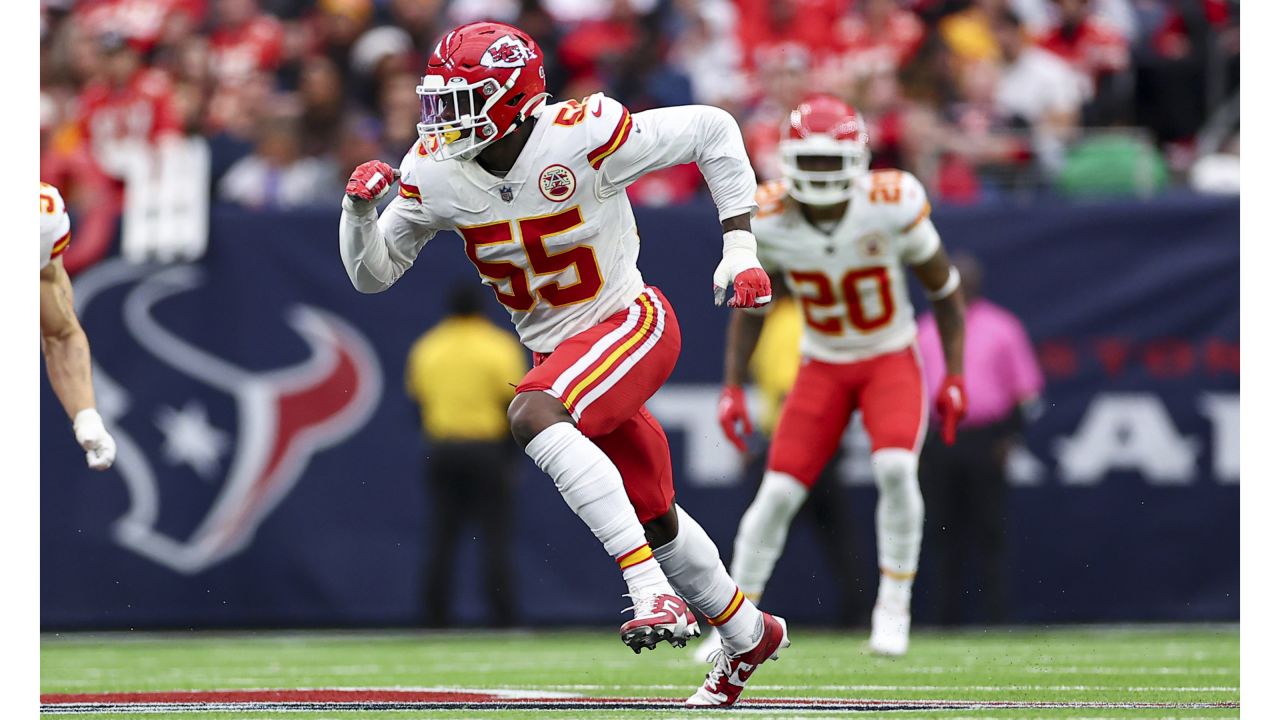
{"type": "Point", "coordinates": [1103, 672]}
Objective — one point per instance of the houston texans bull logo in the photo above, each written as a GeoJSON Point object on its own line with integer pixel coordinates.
{"type": "Point", "coordinates": [284, 416]}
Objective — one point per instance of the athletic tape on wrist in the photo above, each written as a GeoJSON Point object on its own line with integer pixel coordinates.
{"type": "Point", "coordinates": [739, 240]}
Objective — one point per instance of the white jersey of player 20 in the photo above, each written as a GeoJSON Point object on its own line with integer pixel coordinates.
{"type": "Point", "coordinates": [55, 225]}
{"type": "Point", "coordinates": [850, 281]}
{"type": "Point", "coordinates": [555, 237]}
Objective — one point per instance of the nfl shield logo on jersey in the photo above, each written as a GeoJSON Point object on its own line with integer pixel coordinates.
{"type": "Point", "coordinates": [505, 192]}
{"type": "Point", "coordinates": [557, 183]}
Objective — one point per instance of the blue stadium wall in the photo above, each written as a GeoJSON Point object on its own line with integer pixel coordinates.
{"type": "Point", "coordinates": [270, 464]}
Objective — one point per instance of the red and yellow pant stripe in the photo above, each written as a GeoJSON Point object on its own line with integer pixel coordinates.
{"type": "Point", "coordinates": [734, 605]}
{"type": "Point", "coordinates": [631, 558]}
{"type": "Point", "coordinates": [648, 320]}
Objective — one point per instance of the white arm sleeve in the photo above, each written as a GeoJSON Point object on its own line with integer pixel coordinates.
{"type": "Point", "coordinates": [664, 137]}
{"type": "Point", "coordinates": [378, 250]}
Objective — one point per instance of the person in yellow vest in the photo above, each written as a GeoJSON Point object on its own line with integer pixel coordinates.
{"type": "Point", "coordinates": [462, 374]}
{"type": "Point", "coordinates": [774, 366]}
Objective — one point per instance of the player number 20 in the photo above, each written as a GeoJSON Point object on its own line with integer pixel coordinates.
{"type": "Point", "coordinates": [824, 296]}
{"type": "Point", "coordinates": [532, 233]}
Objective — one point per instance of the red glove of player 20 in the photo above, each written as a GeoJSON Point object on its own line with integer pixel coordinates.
{"type": "Point", "coordinates": [952, 405]}
{"type": "Point", "coordinates": [732, 409]}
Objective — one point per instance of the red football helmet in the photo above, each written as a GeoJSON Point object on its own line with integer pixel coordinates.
{"type": "Point", "coordinates": [823, 127]}
{"type": "Point", "coordinates": [482, 80]}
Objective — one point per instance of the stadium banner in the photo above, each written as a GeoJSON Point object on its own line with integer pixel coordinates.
{"type": "Point", "coordinates": [270, 468]}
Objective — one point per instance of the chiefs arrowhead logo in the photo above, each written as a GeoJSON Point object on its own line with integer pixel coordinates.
{"type": "Point", "coordinates": [506, 52]}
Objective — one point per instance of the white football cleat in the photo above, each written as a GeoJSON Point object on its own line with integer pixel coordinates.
{"type": "Point", "coordinates": [706, 651]}
{"type": "Point", "coordinates": [659, 618]}
{"type": "Point", "coordinates": [890, 630]}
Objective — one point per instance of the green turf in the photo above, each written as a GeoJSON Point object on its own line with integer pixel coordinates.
{"type": "Point", "coordinates": [1193, 664]}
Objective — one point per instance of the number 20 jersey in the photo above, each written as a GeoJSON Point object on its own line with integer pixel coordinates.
{"type": "Point", "coordinates": [556, 238]}
{"type": "Point", "coordinates": [850, 282]}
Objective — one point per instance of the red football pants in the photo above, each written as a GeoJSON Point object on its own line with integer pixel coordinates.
{"type": "Point", "coordinates": [603, 376]}
{"type": "Point", "coordinates": [889, 389]}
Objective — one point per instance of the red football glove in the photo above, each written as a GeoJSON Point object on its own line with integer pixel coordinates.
{"type": "Point", "coordinates": [952, 405]}
{"type": "Point", "coordinates": [751, 289]}
{"type": "Point", "coordinates": [371, 181]}
{"type": "Point", "coordinates": [733, 409]}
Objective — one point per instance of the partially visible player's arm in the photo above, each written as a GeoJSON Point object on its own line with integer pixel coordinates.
{"type": "Point", "coordinates": [68, 363]}
{"type": "Point", "coordinates": [941, 283]}
{"type": "Point", "coordinates": [743, 336]}
{"type": "Point", "coordinates": [709, 137]}
{"type": "Point", "coordinates": [378, 250]}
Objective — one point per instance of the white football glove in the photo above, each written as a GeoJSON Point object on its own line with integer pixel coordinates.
{"type": "Point", "coordinates": [99, 446]}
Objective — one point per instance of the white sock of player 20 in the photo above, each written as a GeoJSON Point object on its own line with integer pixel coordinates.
{"type": "Point", "coordinates": [692, 563]}
{"type": "Point", "coordinates": [592, 486]}
{"type": "Point", "coordinates": [899, 524]}
{"type": "Point", "coordinates": [762, 534]}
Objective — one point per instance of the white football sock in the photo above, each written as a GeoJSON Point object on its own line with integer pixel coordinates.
{"type": "Point", "coordinates": [592, 486]}
{"type": "Point", "coordinates": [899, 524]}
{"type": "Point", "coordinates": [762, 533]}
{"type": "Point", "coordinates": [692, 563]}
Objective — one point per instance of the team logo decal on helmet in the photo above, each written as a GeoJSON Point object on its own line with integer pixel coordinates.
{"type": "Point", "coordinates": [557, 183]}
{"type": "Point", "coordinates": [506, 52]}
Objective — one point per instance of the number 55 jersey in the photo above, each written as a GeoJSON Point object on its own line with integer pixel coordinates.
{"type": "Point", "coordinates": [849, 277]}
{"type": "Point", "coordinates": [555, 237]}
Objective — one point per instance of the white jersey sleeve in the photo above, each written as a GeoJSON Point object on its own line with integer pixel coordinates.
{"type": "Point", "coordinates": [632, 145]}
{"type": "Point", "coordinates": [377, 250]}
{"type": "Point", "coordinates": [55, 224]}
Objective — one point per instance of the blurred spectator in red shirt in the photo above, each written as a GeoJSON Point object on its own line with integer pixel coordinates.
{"type": "Point", "coordinates": [1098, 52]}
{"type": "Point", "coordinates": [782, 78]}
{"type": "Point", "coordinates": [129, 104]}
{"type": "Point", "coordinates": [244, 39]}
{"type": "Point", "coordinates": [878, 35]}
{"type": "Point", "coordinates": [146, 22]}
{"type": "Point", "coordinates": [766, 24]}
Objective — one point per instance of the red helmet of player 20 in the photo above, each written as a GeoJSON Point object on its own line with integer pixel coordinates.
{"type": "Point", "coordinates": [823, 126]}
{"type": "Point", "coordinates": [480, 84]}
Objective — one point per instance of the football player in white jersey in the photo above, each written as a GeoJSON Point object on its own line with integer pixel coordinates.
{"type": "Point", "coordinates": [537, 193]}
{"type": "Point", "coordinates": [840, 237]}
{"type": "Point", "coordinates": [65, 346]}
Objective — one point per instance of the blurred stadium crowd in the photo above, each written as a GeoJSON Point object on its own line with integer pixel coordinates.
{"type": "Point", "coordinates": [983, 99]}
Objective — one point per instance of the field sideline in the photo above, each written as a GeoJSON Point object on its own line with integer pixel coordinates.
{"type": "Point", "coordinates": [1090, 672]}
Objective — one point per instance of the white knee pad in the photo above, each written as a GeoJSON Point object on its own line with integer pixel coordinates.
{"type": "Point", "coordinates": [762, 534]}
{"type": "Point", "coordinates": [899, 510]}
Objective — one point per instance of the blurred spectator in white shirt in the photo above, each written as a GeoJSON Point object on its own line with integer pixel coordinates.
{"type": "Point", "coordinates": [277, 176]}
{"type": "Point", "coordinates": [1039, 90]}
